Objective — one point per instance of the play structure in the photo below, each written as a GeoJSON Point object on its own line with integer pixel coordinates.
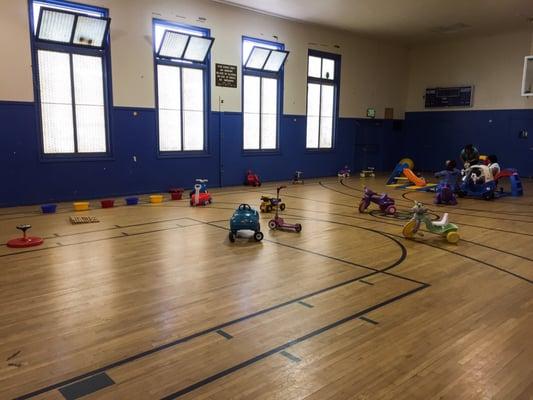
{"type": "Point", "coordinates": [298, 177]}
{"type": "Point", "coordinates": [25, 240]}
{"type": "Point", "coordinates": [403, 177]}
{"type": "Point", "coordinates": [442, 227]}
{"type": "Point", "coordinates": [279, 223]}
{"type": "Point", "coordinates": [385, 203]}
{"type": "Point", "coordinates": [245, 218]}
{"type": "Point", "coordinates": [516, 189]}
{"type": "Point", "coordinates": [270, 203]}
{"type": "Point", "coordinates": [252, 179]}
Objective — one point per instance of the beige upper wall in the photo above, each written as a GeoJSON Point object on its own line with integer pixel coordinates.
{"type": "Point", "coordinates": [373, 73]}
{"type": "Point", "coordinates": [493, 64]}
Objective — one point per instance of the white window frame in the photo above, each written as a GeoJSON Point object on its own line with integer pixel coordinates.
{"type": "Point", "coordinates": [70, 47]}
{"type": "Point", "coordinates": [161, 30]}
{"type": "Point", "coordinates": [261, 72]}
{"type": "Point", "coordinates": [323, 81]}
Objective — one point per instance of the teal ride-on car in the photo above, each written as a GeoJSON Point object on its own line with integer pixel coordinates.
{"type": "Point", "coordinates": [245, 218]}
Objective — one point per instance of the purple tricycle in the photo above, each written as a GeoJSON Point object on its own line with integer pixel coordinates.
{"type": "Point", "coordinates": [385, 203]}
{"type": "Point", "coordinates": [445, 195]}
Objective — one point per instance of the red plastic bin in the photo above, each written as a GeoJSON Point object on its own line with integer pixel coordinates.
{"type": "Point", "coordinates": [176, 193]}
{"type": "Point", "coordinates": [107, 203]}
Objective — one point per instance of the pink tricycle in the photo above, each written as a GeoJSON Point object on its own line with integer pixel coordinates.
{"type": "Point", "coordinates": [385, 203]}
{"type": "Point", "coordinates": [279, 223]}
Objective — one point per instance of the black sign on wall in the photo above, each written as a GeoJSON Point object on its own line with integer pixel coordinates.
{"type": "Point", "coordinates": [226, 75]}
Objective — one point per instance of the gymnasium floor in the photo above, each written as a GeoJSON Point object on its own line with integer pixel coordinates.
{"type": "Point", "coordinates": [156, 299]}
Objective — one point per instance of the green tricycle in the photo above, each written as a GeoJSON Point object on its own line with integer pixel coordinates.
{"type": "Point", "coordinates": [442, 227]}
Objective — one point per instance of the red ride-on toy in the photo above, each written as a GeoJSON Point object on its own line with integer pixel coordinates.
{"type": "Point", "coordinates": [200, 199]}
{"type": "Point", "coordinates": [279, 223]}
{"type": "Point", "coordinates": [252, 179]}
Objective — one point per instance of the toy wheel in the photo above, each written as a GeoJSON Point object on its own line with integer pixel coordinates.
{"type": "Point", "coordinates": [488, 195]}
{"type": "Point", "coordinates": [258, 236]}
{"type": "Point", "coordinates": [282, 206]}
{"type": "Point", "coordinates": [409, 229]}
{"type": "Point", "coordinates": [362, 207]}
{"type": "Point", "coordinates": [298, 228]}
{"type": "Point", "coordinates": [259, 184]}
{"type": "Point", "coordinates": [269, 208]}
{"type": "Point", "coordinates": [272, 224]}
{"type": "Point", "coordinates": [391, 210]}
{"type": "Point", "coordinates": [453, 237]}
{"type": "Point", "coordinates": [231, 237]}
{"type": "Point", "coordinates": [192, 203]}
{"type": "Point", "coordinates": [460, 193]}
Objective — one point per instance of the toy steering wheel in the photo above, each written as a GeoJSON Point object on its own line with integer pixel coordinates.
{"type": "Point", "coordinates": [243, 207]}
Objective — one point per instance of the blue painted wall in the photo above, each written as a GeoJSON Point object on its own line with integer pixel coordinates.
{"type": "Point", "coordinates": [28, 180]}
{"type": "Point", "coordinates": [430, 138]}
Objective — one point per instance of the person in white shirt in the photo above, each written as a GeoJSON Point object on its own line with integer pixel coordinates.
{"type": "Point", "coordinates": [493, 165]}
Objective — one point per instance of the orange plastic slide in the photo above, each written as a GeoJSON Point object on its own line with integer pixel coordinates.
{"type": "Point", "coordinates": [413, 178]}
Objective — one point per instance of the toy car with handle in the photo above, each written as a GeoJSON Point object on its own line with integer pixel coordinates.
{"type": "Point", "coordinates": [385, 203]}
{"type": "Point", "coordinates": [200, 198]}
{"type": "Point", "coordinates": [443, 227]}
{"type": "Point", "coordinates": [270, 203]}
{"type": "Point", "coordinates": [245, 218]}
{"type": "Point", "coordinates": [279, 223]}
{"type": "Point", "coordinates": [252, 179]}
{"type": "Point", "coordinates": [203, 187]}
{"type": "Point", "coordinates": [298, 178]}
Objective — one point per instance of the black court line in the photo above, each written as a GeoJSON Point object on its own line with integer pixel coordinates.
{"type": "Point", "coordinates": [290, 356]}
{"type": "Point", "coordinates": [176, 342]}
{"type": "Point", "coordinates": [303, 303]}
{"type": "Point", "coordinates": [370, 321]}
{"type": "Point", "coordinates": [409, 200]}
{"type": "Point", "coordinates": [225, 335]}
{"type": "Point", "coordinates": [366, 282]}
{"type": "Point", "coordinates": [364, 219]}
{"type": "Point", "coordinates": [99, 240]}
{"type": "Point", "coordinates": [429, 209]}
{"type": "Point", "coordinates": [86, 387]}
{"type": "Point", "coordinates": [291, 343]}
{"type": "Point", "coordinates": [392, 237]}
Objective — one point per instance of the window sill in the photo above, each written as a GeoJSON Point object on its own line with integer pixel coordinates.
{"type": "Point", "coordinates": [51, 158]}
{"type": "Point", "coordinates": [182, 154]}
{"type": "Point", "coordinates": [254, 153]}
{"type": "Point", "coordinates": [320, 151]}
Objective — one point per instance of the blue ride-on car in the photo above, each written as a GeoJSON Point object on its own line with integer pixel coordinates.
{"type": "Point", "coordinates": [245, 218]}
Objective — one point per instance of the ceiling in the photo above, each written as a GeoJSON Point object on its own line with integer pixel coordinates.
{"type": "Point", "coordinates": [408, 21]}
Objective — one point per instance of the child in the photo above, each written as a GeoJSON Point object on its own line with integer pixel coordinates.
{"type": "Point", "coordinates": [493, 165]}
{"type": "Point", "coordinates": [450, 176]}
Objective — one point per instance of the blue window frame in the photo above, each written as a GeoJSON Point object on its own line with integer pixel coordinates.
{"type": "Point", "coordinates": [262, 93]}
{"type": "Point", "coordinates": [323, 82]}
{"type": "Point", "coordinates": [182, 75]}
{"type": "Point", "coordinates": [71, 66]}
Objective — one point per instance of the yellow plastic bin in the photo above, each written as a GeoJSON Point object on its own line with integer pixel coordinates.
{"type": "Point", "coordinates": [81, 206]}
{"type": "Point", "coordinates": [156, 198]}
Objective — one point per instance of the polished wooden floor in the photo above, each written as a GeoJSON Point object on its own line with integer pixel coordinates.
{"type": "Point", "coordinates": [156, 298]}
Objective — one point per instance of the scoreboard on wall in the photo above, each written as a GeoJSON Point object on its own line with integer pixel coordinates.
{"type": "Point", "coordinates": [460, 96]}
